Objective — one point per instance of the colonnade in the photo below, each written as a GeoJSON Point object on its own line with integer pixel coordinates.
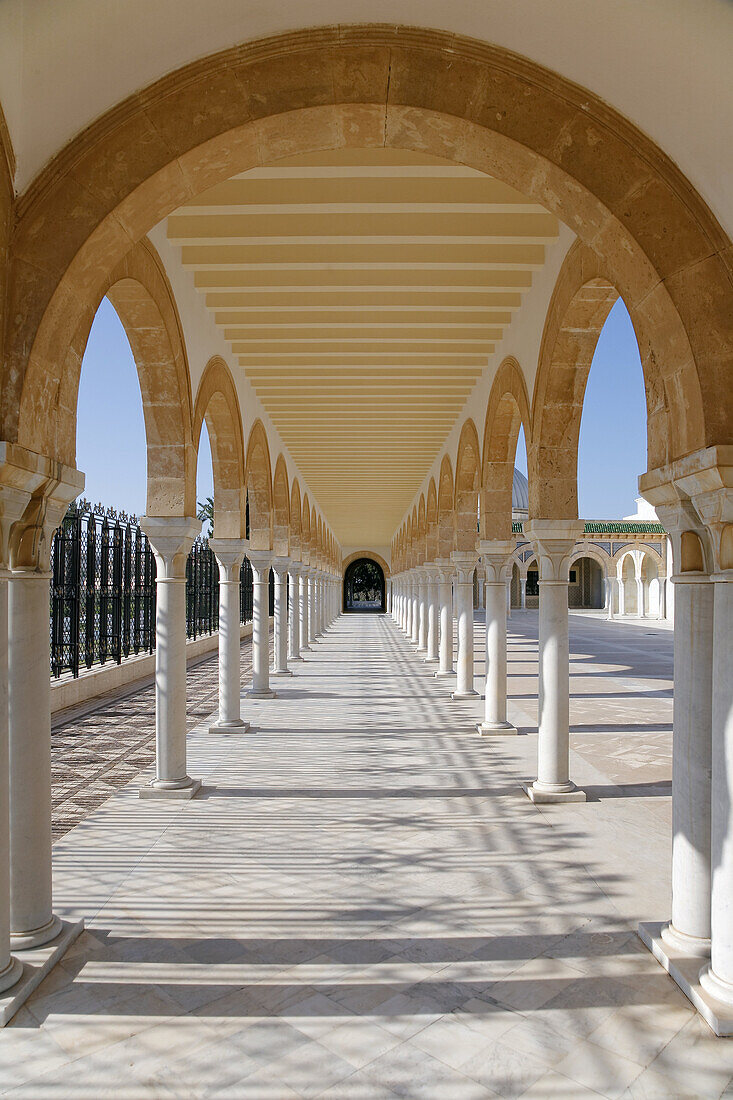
{"type": "Point", "coordinates": [700, 527]}
{"type": "Point", "coordinates": [32, 504]}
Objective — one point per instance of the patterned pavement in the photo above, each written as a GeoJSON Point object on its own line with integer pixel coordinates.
{"type": "Point", "coordinates": [98, 749]}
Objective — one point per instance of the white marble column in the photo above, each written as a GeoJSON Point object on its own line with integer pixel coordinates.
{"type": "Point", "coordinates": [27, 781]}
{"type": "Point", "coordinates": [422, 604]}
{"type": "Point", "coordinates": [294, 611]}
{"type": "Point", "coordinates": [229, 554]}
{"type": "Point", "coordinates": [261, 562]}
{"type": "Point", "coordinates": [508, 583]}
{"type": "Point", "coordinates": [280, 568]}
{"type": "Point", "coordinates": [523, 592]}
{"type": "Point", "coordinates": [554, 541]}
{"type": "Point", "coordinates": [171, 538]}
{"type": "Point", "coordinates": [304, 623]}
{"type": "Point", "coordinates": [415, 631]}
{"type": "Point", "coordinates": [13, 502]}
{"type": "Point", "coordinates": [312, 613]}
{"type": "Point", "coordinates": [465, 563]}
{"type": "Point", "coordinates": [433, 632]}
{"type": "Point", "coordinates": [409, 606]}
{"type": "Point", "coordinates": [691, 766]}
{"type": "Point", "coordinates": [717, 978]}
{"type": "Point", "coordinates": [445, 640]}
{"type": "Point", "coordinates": [496, 558]}
{"type": "Point", "coordinates": [611, 596]}
{"type": "Point", "coordinates": [32, 920]}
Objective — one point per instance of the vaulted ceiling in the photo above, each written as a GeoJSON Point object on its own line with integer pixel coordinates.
{"type": "Point", "coordinates": [362, 293]}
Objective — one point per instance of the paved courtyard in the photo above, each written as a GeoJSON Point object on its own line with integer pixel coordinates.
{"type": "Point", "coordinates": [362, 903]}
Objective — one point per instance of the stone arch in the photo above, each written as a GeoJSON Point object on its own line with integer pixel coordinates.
{"type": "Point", "coordinates": [431, 522]}
{"type": "Point", "coordinates": [468, 481]}
{"type": "Point", "coordinates": [315, 547]}
{"type": "Point", "coordinates": [446, 528]}
{"type": "Point", "coordinates": [259, 488]}
{"type": "Point", "coordinates": [295, 520]}
{"type": "Point", "coordinates": [506, 412]}
{"type": "Point", "coordinates": [142, 297]}
{"type": "Point", "coordinates": [280, 509]}
{"type": "Point", "coordinates": [218, 405]}
{"type": "Point", "coordinates": [521, 122]}
{"type": "Point", "coordinates": [421, 531]}
{"type": "Point", "coordinates": [371, 555]}
{"type": "Point", "coordinates": [596, 554]}
{"type": "Point", "coordinates": [305, 530]}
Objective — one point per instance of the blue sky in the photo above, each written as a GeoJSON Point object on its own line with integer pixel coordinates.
{"type": "Point", "coordinates": [111, 448]}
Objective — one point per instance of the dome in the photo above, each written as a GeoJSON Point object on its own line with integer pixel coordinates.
{"type": "Point", "coordinates": [520, 492]}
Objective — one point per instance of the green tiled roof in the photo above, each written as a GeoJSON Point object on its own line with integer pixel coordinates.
{"type": "Point", "coordinates": [613, 527]}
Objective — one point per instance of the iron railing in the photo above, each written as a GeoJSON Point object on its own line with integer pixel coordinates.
{"type": "Point", "coordinates": [103, 590]}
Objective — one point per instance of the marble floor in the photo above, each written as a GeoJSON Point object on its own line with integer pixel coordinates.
{"type": "Point", "coordinates": [362, 903]}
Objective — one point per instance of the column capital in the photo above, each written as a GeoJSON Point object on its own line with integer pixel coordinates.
{"type": "Point", "coordinates": [553, 541]}
{"type": "Point", "coordinates": [432, 569]}
{"type": "Point", "coordinates": [40, 489]}
{"type": "Point", "coordinates": [464, 563]}
{"type": "Point", "coordinates": [281, 566]}
{"type": "Point", "coordinates": [229, 553]}
{"type": "Point", "coordinates": [171, 538]}
{"type": "Point", "coordinates": [295, 568]}
{"type": "Point", "coordinates": [261, 561]}
{"type": "Point", "coordinates": [495, 557]}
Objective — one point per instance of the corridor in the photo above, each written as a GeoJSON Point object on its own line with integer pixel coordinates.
{"type": "Point", "coordinates": [362, 903]}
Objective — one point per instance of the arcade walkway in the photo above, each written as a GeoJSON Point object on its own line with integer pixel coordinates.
{"type": "Point", "coordinates": [362, 904]}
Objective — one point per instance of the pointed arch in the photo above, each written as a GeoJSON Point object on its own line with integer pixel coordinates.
{"type": "Point", "coordinates": [431, 522]}
{"type": "Point", "coordinates": [305, 531]}
{"type": "Point", "coordinates": [468, 481]}
{"type": "Point", "coordinates": [217, 404]}
{"type": "Point", "coordinates": [506, 412]}
{"type": "Point", "coordinates": [564, 147]}
{"type": "Point", "coordinates": [421, 530]}
{"type": "Point", "coordinates": [281, 509]}
{"type": "Point", "coordinates": [259, 488]}
{"type": "Point", "coordinates": [141, 295]}
{"type": "Point", "coordinates": [446, 526]}
{"type": "Point", "coordinates": [295, 520]}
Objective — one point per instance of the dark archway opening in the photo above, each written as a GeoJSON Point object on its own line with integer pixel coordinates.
{"type": "Point", "coordinates": [364, 586]}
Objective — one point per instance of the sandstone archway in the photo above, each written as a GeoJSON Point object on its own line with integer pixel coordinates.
{"type": "Point", "coordinates": [468, 480]}
{"type": "Point", "coordinates": [506, 412]}
{"type": "Point", "coordinates": [259, 489]}
{"type": "Point", "coordinates": [554, 141]}
{"type": "Point", "coordinates": [218, 406]}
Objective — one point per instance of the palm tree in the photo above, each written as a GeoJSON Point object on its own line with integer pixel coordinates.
{"type": "Point", "coordinates": [206, 513]}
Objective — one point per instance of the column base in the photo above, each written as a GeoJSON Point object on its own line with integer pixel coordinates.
{"type": "Point", "coordinates": [280, 672]}
{"type": "Point", "coordinates": [421, 649]}
{"type": "Point", "coordinates": [229, 727]}
{"type": "Point", "coordinates": [36, 937]}
{"type": "Point", "coordinates": [488, 728]}
{"type": "Point", "coordinates": [36, 965]}
{"type": "Point", "coordinates": [442, 675]}
{"type": "Point", "coordinates": [298, 658]}
{"type": "Point", "coordinates": [175, 793]}
{"type": "Point", "coordinates": [692, 946]}
{"type": "Point", "coordinates": [464, 695]}
{"type": "Point", "coordinates": [699, 986]}
{"type": "Point", "coordinates": [430, 660]}
{"type": "Point", "coordinates": [268, 694]}
{"type": "Point", "coordinates": [305, 648]}
{"type": "Point", "coordinates": [10, 974]}
{"type": "Point", "coordinates": [562, 792]}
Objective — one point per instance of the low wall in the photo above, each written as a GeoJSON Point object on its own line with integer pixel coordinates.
{"type": "Point", "coordinates": [71, 691]}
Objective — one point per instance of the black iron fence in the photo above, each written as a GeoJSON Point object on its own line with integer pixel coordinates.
{"type": "Point", "coordinates": [103, 590]}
